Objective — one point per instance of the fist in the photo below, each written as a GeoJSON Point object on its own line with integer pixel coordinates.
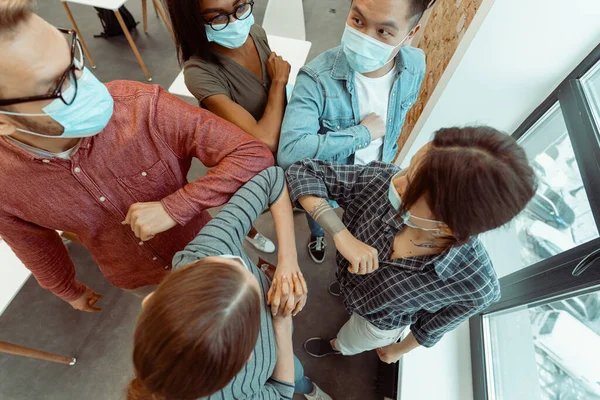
{"type": "Point", "coordinates": [149, 219]}
{"type": "Point", "coordinates": [86, 301]}
{"type": "Point", "coordinates": [375, 124]}
{"type": "Point", "coordinates": [278, 69]}
{"type": "Point", "coordinates": [363, 258]}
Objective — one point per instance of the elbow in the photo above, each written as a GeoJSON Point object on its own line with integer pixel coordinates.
{"type": "Point", "coordinates": [264, 158]}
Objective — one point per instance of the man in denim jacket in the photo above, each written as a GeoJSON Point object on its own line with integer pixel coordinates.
{"type": "Point", "coordinates": [349, 103]}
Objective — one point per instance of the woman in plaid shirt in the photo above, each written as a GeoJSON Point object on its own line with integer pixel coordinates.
{"type": "Point", "coordinates": [408, 252]}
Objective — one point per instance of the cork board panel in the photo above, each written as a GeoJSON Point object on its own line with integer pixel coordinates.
{"type": "Point", "coordinates": [445, 27]}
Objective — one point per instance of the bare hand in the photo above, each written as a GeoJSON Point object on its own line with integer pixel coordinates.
{"type": "Point", "coordinates": [87, 301]}
{"type": "Point", "coordinates": [278, 69]}
{"type": "Point", "coordinates": [375, 124]}
{"type": "Point", "coordinates": [389, 354]}
{"type": "Point", "coordinates": [362, 257]}
{"type": "Point", "coordinates": [285, 297]}
{"type": "Point", "coordinates": [149, 219]}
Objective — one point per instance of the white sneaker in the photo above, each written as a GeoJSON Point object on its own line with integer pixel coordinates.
{"type": "Point", "coordinates": [318, 395]}
{"type": "Point", "coordinates": [262, 243]}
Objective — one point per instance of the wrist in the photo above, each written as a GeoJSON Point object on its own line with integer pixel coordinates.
{"type": "Point", "coordinates": [279, 82]}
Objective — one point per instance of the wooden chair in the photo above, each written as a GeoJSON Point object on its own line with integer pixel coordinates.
{"type": "Point", "coordinates": [114, 5]}
{"type": "Point", "coordinates": [33, 353]}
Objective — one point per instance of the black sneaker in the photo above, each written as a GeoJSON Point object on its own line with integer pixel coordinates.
{"type": "Point", "coordinates": [335, 289]}
{"type": "Point", "coordinates": [318, 347]}
{"type": "Point", "coordinates": [316, 248]}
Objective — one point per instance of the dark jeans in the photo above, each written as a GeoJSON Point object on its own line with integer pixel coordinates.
{"type": "Point", "coordinates": [302, 383]}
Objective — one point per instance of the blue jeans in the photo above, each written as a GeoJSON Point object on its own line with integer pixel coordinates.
{"type": "Point", "coordinates": [315, 228]}
{"type": "Point", "coordinates": [302, 383]}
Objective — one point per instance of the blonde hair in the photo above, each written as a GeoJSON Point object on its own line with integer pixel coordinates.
{"type": "Point", "coordinates": [13, 13]}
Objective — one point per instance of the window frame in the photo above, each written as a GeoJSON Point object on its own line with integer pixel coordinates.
{"type": "Point", "coordinates": [551, 278]}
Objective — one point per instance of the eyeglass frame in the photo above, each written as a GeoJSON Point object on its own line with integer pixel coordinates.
{"type": "Point", "coordinates": [58, 92]}
{"type": "Point", "coordinates": [228, 15]}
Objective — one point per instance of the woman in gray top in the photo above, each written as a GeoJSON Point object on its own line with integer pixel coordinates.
{"type": "Point", "coordinates": [230, 69]}
{"type": "Point", "coordinates": [207, 331]}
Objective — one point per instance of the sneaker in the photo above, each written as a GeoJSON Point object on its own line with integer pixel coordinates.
{"type": "Point", "coordinates": [262, 243]}
{"type": "Point", "coordinates": [316, 248]}
{"type": "Point", "coordinates": [267, 268]}
{"type": "Point", "coordinates": [335, 289]}
{"type": "Point", "coordinates": [317, 394]}
{"type": "Point", "coordinates": [318, 347]}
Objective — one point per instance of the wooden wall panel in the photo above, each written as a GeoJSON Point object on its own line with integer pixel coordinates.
{"type": "Point", "coordinates": [444, 28]}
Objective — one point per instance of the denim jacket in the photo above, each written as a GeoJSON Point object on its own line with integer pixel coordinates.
{"type": "Point", "coordinates": [322, 119]}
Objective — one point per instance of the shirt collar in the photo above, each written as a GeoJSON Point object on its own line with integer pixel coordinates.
{"type": "Point", "coordinates": [445, 262]}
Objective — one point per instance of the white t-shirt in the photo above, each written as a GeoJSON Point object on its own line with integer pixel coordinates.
{"type": "Point", "coordinates": [373, 96]}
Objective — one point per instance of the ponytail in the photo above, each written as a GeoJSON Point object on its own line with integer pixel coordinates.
{"type": "Point", "coordinates": [136, 390]}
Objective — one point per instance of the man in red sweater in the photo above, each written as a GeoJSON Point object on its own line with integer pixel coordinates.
{"type": "Point", "coordinates": [105, 162]}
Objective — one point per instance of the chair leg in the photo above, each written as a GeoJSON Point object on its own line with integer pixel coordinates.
{"type": "Point", "coordinates": [145, 14]}
{"type": "Point", "coordinates": [163, 16]}
{"type": "Point", "coordinates": [155, 9]}
{"type": "Point", "coordinates": [33, 353]}
{"type": "Point", "coordinates": [74, 24]}
{"type": "Point", "coordinates": [132, 44]}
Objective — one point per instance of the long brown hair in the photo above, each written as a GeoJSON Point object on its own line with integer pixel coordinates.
{"type": "Point", "coordinates": [474, 179]}
{"type": "Point", "coordinates": [196, 333]}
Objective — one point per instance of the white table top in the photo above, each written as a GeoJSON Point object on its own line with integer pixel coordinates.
{"type": "Point", "coordinates": [107, 4]}
{"type": "Point", "coordinates": [293, 51]}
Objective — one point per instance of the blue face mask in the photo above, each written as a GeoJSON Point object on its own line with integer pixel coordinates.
{"type": "Point", "coordinates": [367, 54]}
{"type": "Point", "coordinates": [86, 116]}
{"type": "Point", "coordinates": [234, 35]}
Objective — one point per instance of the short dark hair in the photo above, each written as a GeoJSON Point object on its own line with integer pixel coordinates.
{"type": "Point", "coordinates": [474, 179]}
{"type": "Point", "coordinates": [189, 28]}
{"type": "Point", "coordinates": [196, 333]}
{"type": "Point", "coordinates": [417, 9]}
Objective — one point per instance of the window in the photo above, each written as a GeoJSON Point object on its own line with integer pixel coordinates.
{"type": "Point", "coordinates": [541, 341]}
{"type": "Point", "coordinates": [591, 86]}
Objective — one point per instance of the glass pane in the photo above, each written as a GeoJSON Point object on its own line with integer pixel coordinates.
{"type": "Point", "coordinates": [591, 86]}
{"type": "Point", "coordinates": [559, 216]}
{"type": "Point", "coordinates": [549, 352]}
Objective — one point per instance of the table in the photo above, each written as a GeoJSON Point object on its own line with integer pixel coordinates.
{"type": "Point", "coordinates": [293, 51]}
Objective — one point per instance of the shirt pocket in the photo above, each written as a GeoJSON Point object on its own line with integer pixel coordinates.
{"type": "Point", "coordinates": [150, 184]}
{"type": "Point", "coordinates": [409, 101]}
{"type": "Point", "coordinates": [335, 124]}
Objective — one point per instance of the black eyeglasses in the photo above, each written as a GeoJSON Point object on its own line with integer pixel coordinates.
{"type": "Point", "coordinates": [60, 92]}
{"type": "Point", "coordinates": [241, 12]}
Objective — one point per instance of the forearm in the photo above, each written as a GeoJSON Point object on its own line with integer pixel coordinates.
{"type": "Point", "coordinates": [284, 226]}
{"type": "Point", "coordinates": [408, 344]}
{"type": "Point", "coordinates": [320, 210]}
{"type": "Point", "coordinates": [284, 368]}
{"type": "Point", "coordinates": [268, 128]}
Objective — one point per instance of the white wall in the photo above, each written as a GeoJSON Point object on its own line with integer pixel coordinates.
{"type": "Point", "coordinates": [515, 53]}
{"type": "Point", "coordinates": [519, 55]}
{"type": "Point", "coordinates": [13, 273]}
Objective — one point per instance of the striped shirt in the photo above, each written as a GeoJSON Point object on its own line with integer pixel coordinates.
{"type": "Point", "coordinates": [224, 235]}
{"type": "Point", "coordinates": [433, 294]}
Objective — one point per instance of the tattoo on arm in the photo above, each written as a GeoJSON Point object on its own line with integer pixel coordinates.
{"type": "Point", "coordinates": [326, 217]}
